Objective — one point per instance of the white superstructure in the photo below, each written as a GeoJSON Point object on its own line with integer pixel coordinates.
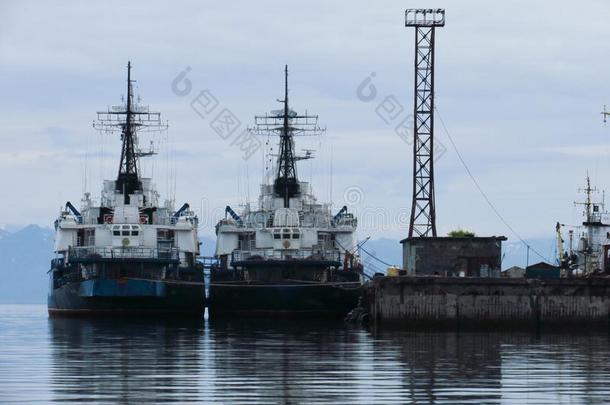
{"type": "Point", "coordinates": [305, 230]}
{"type": "Point", "coordinates": [289, 222]}
{"type": "Point", "coordinates": [128, 221]}
{"type": "Point", "coordinates": [115, 229]}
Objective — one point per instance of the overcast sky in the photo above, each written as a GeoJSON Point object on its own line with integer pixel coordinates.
{"type": "Point", "coordinates": [520, 86]}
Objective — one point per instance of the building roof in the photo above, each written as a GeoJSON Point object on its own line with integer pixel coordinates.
{"type": "Point", "coordinates": [542, 265]}
{"type": "Point", "coordinates": [451, 238]}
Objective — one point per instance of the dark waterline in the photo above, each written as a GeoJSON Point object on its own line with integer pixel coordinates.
{"type": "Point", "coordinates": [46, 360]}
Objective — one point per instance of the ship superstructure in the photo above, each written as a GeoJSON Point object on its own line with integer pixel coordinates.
{"type": "Point", "coordinates": [590, 252]}
{"type": "Point", "coordinates": [291, 253]}
{"type": "Point", "coordinates": [128, 253]}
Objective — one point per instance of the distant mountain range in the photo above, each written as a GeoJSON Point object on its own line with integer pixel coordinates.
{"type": "Point", "coordinates": [25, 256]}
{"type": "Point", "coordinates": [516, 253]}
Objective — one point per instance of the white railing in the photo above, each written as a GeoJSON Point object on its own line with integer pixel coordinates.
{"type": "Point", "coordinates": [271, 254]}
{"type": "Point", "coordinates": [130, 252]}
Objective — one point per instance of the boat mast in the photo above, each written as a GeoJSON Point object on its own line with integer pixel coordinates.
{"type": "Point", "coordinates": [286, 184]}
{"type": "Point", "coordinates": [287, 124]}
{"type": "Point", "coordinates": [129, 119]}
{"type": "Point", "coordinates": [128, 180]}
{"type": "Point", "coordinates": [588, 203]}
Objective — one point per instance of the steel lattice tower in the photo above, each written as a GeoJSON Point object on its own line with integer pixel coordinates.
{"type": "Point", "coordinates": [423, 216]}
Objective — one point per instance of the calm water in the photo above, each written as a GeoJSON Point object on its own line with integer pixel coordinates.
{"type": "Point", "coordinates": [45, 360]}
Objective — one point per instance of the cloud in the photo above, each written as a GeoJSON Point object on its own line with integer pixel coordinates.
{"type": "Point", "coordinates": [511, 88]}
{"type": "Point", "coordinates": [581, 151]}
{"type": "Point", "coordinates": [59, 136]}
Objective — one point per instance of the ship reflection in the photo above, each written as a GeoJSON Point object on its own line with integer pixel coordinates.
{"type": "Point", "coordinates": [263, 361]}
{"type": "Point", "coordinates": [125, 360]}
{"type": "Point", "coordinates": [289, 361]}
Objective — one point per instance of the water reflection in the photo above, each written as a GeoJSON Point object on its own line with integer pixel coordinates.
{"type": "Point", "coordinates": [449, 366]}
{"type": "Point", "coordinates": [44, 360]}
{"type": "Point", "coordinates": [125, 360]}
{"type": "Point", "coordinates": [503, 367]}
{"type": "Point", "coordinates": [290, 361]}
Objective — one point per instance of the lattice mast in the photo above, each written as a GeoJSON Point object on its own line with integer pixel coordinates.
{"type": "Point", "coordinates": [286, 183]}
{"type": "Point", "coordinates": [286, 123]}
{"type": "Point", "coordinates": [423, 215]}
{"type": "Point", "coordinates": [129, 119]}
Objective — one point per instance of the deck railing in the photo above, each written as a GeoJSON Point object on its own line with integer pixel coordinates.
{"type": "Point", "coordinates": [129, 252]}
{"type": "Point", "coordinates": [271, 254]}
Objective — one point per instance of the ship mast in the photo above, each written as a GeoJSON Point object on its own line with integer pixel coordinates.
{"type": "Point", "coordinates": [588, 203]}
{"type": "Point", "coordinates": [286, 123]}
{"type": "Point", "coordinates": [129, 119]}
{"type": "Point", "coordinates": [128, 180]}
{"type": "Point", "coordinates": [286, 184]}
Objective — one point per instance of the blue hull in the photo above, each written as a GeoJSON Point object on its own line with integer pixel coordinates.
{"type": "Point", "coordinates": [116, 296]}
{"type": "Point", "coordinates": [125, 289]}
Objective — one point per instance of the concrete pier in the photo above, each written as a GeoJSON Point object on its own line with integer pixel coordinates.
{"type": "Point", "coordinates": [404, 301]}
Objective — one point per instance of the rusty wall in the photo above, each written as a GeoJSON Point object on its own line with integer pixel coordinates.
{"type": "Point", "coordinates": [475, 300]}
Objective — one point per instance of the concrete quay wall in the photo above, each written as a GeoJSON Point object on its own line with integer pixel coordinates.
{"type": "Point", "coordinates": [437, 300]}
